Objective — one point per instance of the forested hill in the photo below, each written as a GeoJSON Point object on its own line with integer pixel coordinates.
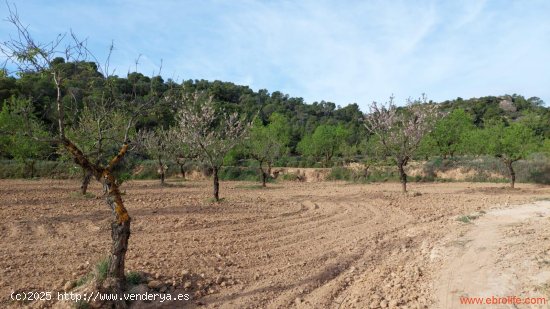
{"type": "Point", "coordinates": [85, 83]}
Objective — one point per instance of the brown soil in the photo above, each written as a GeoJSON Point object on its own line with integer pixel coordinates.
{"type": "Point", "coordinates": [305, 245]}
{"type": "Point", "coordinates": [505, 253]}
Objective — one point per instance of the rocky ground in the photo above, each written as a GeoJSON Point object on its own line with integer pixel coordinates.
{"type": "Point", "coordinates": [303, 245]}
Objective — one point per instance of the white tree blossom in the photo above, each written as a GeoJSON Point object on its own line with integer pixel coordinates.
{"type": "Point", "coordinates": [210, 133]}
{"type": "Point", "coordinates": [400, 130]}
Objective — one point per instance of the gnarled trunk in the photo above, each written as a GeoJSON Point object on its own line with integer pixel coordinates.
{"type": "Point", "coordinates": [511, 173]}
{"type": "Point", "coordinates": [161, 172]}
{"type": "Point", "coordinates": [264, 177]}
{"type": "Point", "coordinates": [263, 173]}
{"type": "Point", "coordinates": [182, 171]}
{"type": "Point", "coordinates": [85, 182]}
{"type": "Point", "coordinates": [366, 170]}
{"type": "Point", "coordinates": [33, 162]}
{"type": "Point", "coordinates": [402, 175]}
{"type": "Point", "coordinates": [216, 184]}
{"type": "Point", "coordinates": [120, 227]}
{"type": "Point", "coordinates": [120, 233]}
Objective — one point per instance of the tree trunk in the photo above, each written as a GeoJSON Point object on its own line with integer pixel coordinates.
{"type": "Point", "coordinates": [512, 173]}
{"type": "Point", "coordinates": [182, 171]}
{"type": "Point", "coordinates": [120, 233]}
{"type": "Point", "coordinates": [216, 184]}
{"type": "Point", "coordinates": [120, 228]}
{"type": "Point", "coordinates": [327, 160]}
{"type": "Point", "coordinates": [264, 177]}
{"type": "Point", "coordinates": [161, 172]}
{"type": "Point", "coordinates": [85, 182]}
{"type": "Point", "coordinates": [31, 167]}
{"type": "Point", "coordinates": [262, 173]}
{"type": "Point", "coordinates": [366, 170]}
{"type": "Point", "coordinates": [402, 176]}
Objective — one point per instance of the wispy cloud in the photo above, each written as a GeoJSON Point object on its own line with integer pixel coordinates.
{"type": "Point", "coordinates": [352, 51]}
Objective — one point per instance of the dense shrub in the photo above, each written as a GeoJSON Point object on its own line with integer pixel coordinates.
{"type": "Point", "coordinates": [42, 169]}
{"type": "Point", "coordinates": [536, 169]}
{"type": "Point", "coordinates": [380, 174]}
{"type": "Point", "coordinates": [486, 169]}
{"type": "Point", "coordinates": [239, 173]}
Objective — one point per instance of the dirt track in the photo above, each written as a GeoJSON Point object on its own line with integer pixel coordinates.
{"type": "Point", "coordinates": [504, 254]}
{"type": "Point", "coordinates": [306, 245]}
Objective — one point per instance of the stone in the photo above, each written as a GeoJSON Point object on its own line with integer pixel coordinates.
{"type": "Point", "coordinates": [155, 284]}
{"type": "Point", "coordinates": [139, 289]}
{"type": "Point", "coordinates": [187, 285]}
{"type": "Point", "coordinates": [69, 285]}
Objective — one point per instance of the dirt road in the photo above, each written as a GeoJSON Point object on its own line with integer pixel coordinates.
{"type": "Point", "coordinates": [504, 257]}
{"type": "Point", "coordinates": [304, 245]}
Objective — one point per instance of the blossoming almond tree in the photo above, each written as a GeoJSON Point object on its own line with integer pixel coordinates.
{"type": "Point", "coordinates": [209, 132]}
{"type": "Point", "coordinates": [400, 130]}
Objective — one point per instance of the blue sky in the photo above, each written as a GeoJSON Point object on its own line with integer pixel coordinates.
{"type": "Point", "coordinates": [338, 51]}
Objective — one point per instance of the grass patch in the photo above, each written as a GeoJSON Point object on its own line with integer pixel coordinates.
{"type": "Point", "coordinates": [464, 219]}
{"type": "Point", "coordinates": [102, 269]}
{"type": "Point", "coordinates": [100, 273]}
{"type": "Point", "coordinates": [84, 279]}
{"type": "Point", "coordinates": [133, 278]}
{"type": "Point", "coordinates": [470, 218]}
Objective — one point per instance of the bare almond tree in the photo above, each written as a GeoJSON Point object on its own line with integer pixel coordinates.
{"type": "Point", "coordinates": [400, 130]}
{"type": "Point", "coordinates": [97, 131]}
{"type": "Point", "coordinates": [29, 55]}
{"type": "Point", "coordinates": [210, 133]}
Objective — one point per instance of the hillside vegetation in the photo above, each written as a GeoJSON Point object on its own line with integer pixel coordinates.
{"type": "Point", "coordinates": [320, 134]}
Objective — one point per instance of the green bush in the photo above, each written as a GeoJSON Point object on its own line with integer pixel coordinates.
{"type": "Point", "coordinates": [290, 177]}
{"type": "Point", "coordinates": [534, 170]}
{"type": "Point", "coordinates": [341, 173]}
{"type": "Point", "coordinates": [42, 169]}
{"type": "Point", "coordinates": [133, 278]}
{"type": "Point", "coordinates": [239, 173]}
{"type": "Point", "coordinates": [373, 175]}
